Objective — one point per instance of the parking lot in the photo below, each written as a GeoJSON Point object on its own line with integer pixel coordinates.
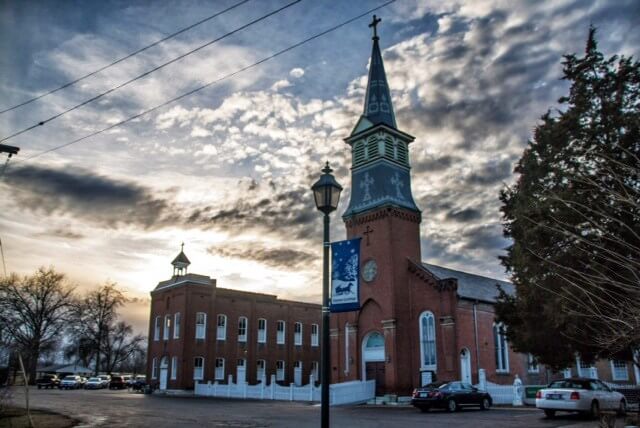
{"type": "Point", "coordinates": [98, 408]}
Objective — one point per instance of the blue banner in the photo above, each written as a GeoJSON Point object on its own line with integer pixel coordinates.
{"type": "Point", "coordinates": [345, 275]}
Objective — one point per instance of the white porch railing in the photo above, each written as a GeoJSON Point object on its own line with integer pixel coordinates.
{"type": "Point", "coordinates": [341, 393]}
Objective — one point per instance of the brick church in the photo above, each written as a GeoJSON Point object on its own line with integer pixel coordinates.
{"type": "Point", "coordinates": [417, 322]}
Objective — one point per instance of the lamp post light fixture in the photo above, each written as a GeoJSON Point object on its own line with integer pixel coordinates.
{"type": "Point", "coordinates": [326, 193]}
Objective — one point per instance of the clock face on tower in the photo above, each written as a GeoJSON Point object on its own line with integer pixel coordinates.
{"type": "Point", "coordinates": [369, 270]}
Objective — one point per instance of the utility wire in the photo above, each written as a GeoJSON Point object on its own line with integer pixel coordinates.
{"type": "Point", "coordinates": [170, 36]}
{"type": "Point", "coordinates": [4, 266]}
{"type": "Point", "coordinates": [77, 106]}
{"type": "Point", "coordinates": [199, 88]}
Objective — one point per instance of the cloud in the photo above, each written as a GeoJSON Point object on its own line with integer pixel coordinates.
{"type": "Point", "coordinates": [287, 258]}
{"type": "Point", "coordinates": [80, 193]}
{"type": "Point", "coordinates": [296, 72]}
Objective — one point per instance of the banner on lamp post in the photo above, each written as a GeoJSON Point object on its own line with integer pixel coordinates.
{"type": "Point", "coordinates": [345, 275]}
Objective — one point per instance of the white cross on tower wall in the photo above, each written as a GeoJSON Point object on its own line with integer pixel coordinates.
{"type": "Point", "coordinates": [365, 184]}
{"type": "Point", "coordinates": [397, 182]}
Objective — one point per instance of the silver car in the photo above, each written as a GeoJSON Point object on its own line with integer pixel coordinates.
{"type": "Point", "coordinates": [583, 395]}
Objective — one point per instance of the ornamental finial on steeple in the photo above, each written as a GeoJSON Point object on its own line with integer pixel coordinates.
{"type": "Point", "coordinates": [374, 25]}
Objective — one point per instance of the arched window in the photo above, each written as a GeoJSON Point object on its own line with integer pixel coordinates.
{"type": "Point", "coordinates": [167, 327]}
{"type": "Point", "coordinates": [174, 368]}
{"type": "Point", "coordinates": [156, 331]}
{"type": "Point", "coordinates": [280, 332]}
{"type": "Point", "coordinates": [372, 148]}
{"type": "Point", "coordinates": [219, 369]}
{"type": "Point", "coordinates": [297, 334]}
{"type": "Point", "coordinates": [261, 374]}
{"type": "Point", "coordinates": [262, 330]}
{"type": "Point", "coordinates": [201, 323]}
{"type": "Point", "coordinates": [358, 153]}
{"type": "Point", "coordinates": [501, 347]}
{"type": "Point", "coordinates": [428, 341]}
{"type": "Point", "coordinates": [176, 325]}
{"type": "Point", "coordinates": [154, 368]}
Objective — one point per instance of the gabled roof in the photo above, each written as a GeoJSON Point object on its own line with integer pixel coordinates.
{"type": "Point", "coordinates": [472, 286]}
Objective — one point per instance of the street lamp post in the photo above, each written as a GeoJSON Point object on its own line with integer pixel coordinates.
{"type": "Point", "coordinates": [326, 193]}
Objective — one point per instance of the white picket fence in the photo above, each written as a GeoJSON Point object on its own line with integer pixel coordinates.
{"type": "Point", "coordinates": [340, 393]}
{"type": "Point", "coordinates": [500, 394]}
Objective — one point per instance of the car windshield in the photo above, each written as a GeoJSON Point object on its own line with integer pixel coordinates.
{"type": "Point", "coordinates": [570, 384]}
{"type": "Point", "coordinates": [445, 386]}
{"type": "Point", "coordinates": [70, 378]}
{"type": "Point", "coordinates": [94, 379]}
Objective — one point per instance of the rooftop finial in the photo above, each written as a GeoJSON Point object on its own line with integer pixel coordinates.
{"type": "Point", "coordinates": [182, 247]}
{"type": "Point", "coordinates": [374, 24]}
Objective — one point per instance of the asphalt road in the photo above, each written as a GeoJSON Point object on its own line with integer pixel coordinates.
{"type": "Point", "coordinates": [99, 408]}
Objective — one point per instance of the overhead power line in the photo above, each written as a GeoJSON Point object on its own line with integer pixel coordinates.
{"type": "Point", "coordinates": [199, 88]}
{"type": "Point", "coordinates": [146, 73]}
{"type": "Point", "coordinates": [164, 39]}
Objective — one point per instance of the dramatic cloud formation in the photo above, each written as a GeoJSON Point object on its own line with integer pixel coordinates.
{"type": "Point", "coordinates": [228, 170]}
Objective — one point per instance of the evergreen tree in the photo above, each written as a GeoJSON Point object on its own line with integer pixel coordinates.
{"type": "Point", "coordinates": [574, 219]}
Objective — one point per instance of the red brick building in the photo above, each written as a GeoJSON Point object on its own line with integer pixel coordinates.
{"type": "Point", "coordinates": [201, 332]}
{"type": "Point", "coordinates": [417, 321]}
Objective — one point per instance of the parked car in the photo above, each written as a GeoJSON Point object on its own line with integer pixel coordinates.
{"type": "Point", "coordinates": [117, 382]}
{"type": "Point", "coordinates": [71, 382]}
{"type": "Point", "coordinates": [583, 395]}
{"type": "Point", "coordinates": [105, 380]}
{"type": "Point", "coordinates": [139, 383]}
{"type": "Point", "coordinates": [94, 383]}
{"type": "Point", "coordinates": [450, 396]}
{"type": "Point", "coordinates": [48, 381]}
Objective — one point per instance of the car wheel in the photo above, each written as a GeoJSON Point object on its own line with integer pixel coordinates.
{"type": "Point", "coordinates": [39, 387]}
{"type": "Point", "coordinates": [452, 406]}
{"type": "Point", "coordinates": [622, 408]}
{"type": "Point", "coordinates": [550, 413]}
{"type": "Point", "coordinates": [594, 412]}
{"type": "Point", "coordinates": [485, 404]}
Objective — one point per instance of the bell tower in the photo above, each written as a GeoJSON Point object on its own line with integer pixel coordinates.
{"type": "Point", "coordinates": [383, 213]}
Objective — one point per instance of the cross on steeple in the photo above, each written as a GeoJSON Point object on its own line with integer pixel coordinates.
{"type": "Point", "coordinates": [373, 25]}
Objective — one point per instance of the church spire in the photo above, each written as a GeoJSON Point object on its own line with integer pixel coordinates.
{"type": "Point", "coordinates": [180, 263]}
{"type": "Point", "coordinates": [378, 108]}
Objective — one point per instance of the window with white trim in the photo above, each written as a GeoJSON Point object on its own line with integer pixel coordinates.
{"type": "Point", "coordinates": [315, 370]}
{"type": "Point", "coordinates": [198, 368]}
{"type": "Point", "coordinates": [219, 368]}
{"type": "Point", "coordinates": [260, 370]}
{"type": "Point", "coordinates": [501, 348]}
{"type": "Point", "coordinates": [222, 327]}
{"type": "Point", "coordinates": [297, 334]}
{"type": "Point", "coordinates": [242, 329]}
{"type": "Point", "coordinates": [314, 335]}
{"type": "Point", "coordinates": [201, 324]}
{"type": "Point", "coordinates": [280, 370]}
{"type": "Point", "coordinates": [156, 331]}
{"type": "Point", "coordinates": [280, 332]}
{"type": "Point", "coordinates": [532, 364]}
{"type": "Point", "coordinates": [176, 325]}
{"type": "Point", "coordinates": [586, 369]}
{"type": "Point", "coordinates": [428, 356]}
{"type": "Point", "coordinates": [174, 368]}
{"type": "Point", "coordinates": [262, 330]}
{"type": "Point", "coordinates": [154, 368]}
{"type": "Point", "coordinates": [619, 370]}
{"type": "Point", "coordinates": [167, 327]}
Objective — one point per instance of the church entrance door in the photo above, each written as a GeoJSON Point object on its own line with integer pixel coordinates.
{"type": "Point", "coordinates": [465, 365]}
{"type": "Point", "coordinates": [164, 373]}
{"type": "Point", "coordinates": [373, 360]}
{"type": "Point", "coordinates": [375, 371]}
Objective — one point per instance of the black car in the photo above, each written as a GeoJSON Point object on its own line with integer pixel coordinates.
{"type": "Point", "coordinates": [450, 396]}
{"type": "Point", "coordinates": [48, 381]}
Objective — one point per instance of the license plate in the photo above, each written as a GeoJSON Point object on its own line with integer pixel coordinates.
{"type": "Point", "coordinates": [554, 396]}
{"type": "Point", "coordinates": [424, 394]}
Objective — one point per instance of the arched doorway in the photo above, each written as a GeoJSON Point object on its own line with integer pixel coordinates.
{"type": "Point", "coordinates": [164, 372]}
{"type": "Point", "coordinates": [465, 365]}
{"type": "Point", "coordinates": [373, 360]}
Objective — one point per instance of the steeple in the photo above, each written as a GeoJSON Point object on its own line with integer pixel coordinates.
{"type": "Point", "coordinates": [180, 263]}
{"type": "Point", "coordinates": [377, 103]}
{"type": "Point", "coordinates": [379, 150]}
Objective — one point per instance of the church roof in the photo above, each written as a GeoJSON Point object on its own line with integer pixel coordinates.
{"type": "Point", "coordinates": [181, 259]}
{"type": "Point", "coordinates": [472, 286]}
{"type": "Point", "coordinates": [378, 108]}
{"type": "Point", "coordinates": [190, 278]}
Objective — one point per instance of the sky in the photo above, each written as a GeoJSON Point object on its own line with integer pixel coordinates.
{"type": "Point", "coordinates": [228, 169]}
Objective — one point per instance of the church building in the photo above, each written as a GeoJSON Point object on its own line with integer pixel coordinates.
{"type": "Point", "coordinates": [417, 322]}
